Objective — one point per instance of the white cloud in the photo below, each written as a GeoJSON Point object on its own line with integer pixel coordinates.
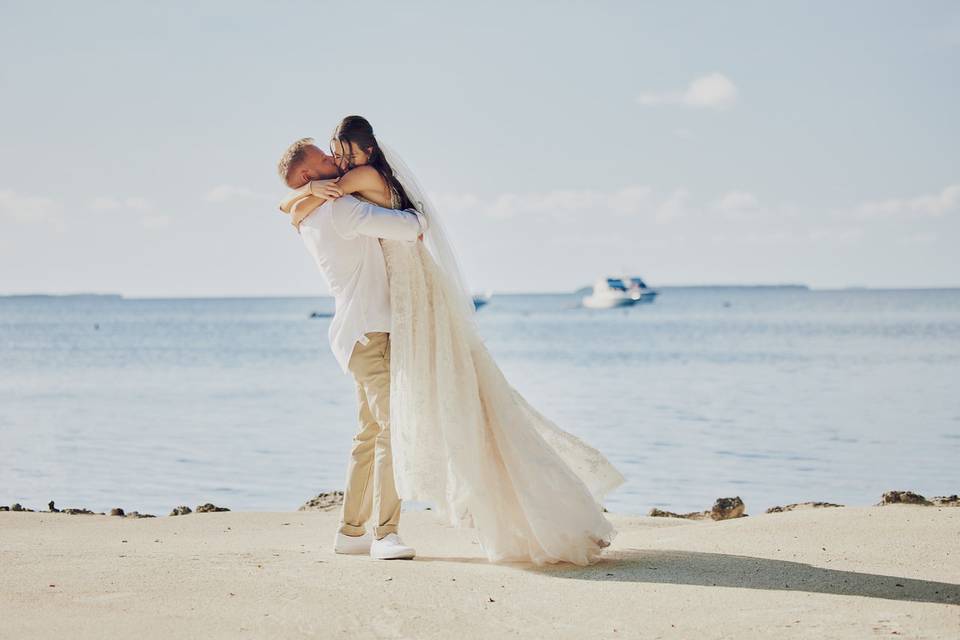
{"type": "Point", "coordinates": [739, 205]}
{"type": "Point", "coordinates": [26, 208]}
{"type": "Point", "coordinates": [227, 192]}
{"type": "Point", "coordinates": [136, 208]}
{"type": "Point", "coordinates": [111, 203]}
{"type": "Point", "coordinates": [673, 208]}
{"type": "Point", "coordinates": [924, 206]}
{"type": "Point", "coordinates": [630, 200]}
{"type": "Point", "coordinates": [712, 91]}
{"type": "Point", "coordinates": [835, 235]}
{"type": "Point", "coordinates": [737, 201]}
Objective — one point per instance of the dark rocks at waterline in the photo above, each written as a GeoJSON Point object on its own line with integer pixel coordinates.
{"type": "Point", "coordinates": [318, 314]}
{"type": "Point", "coordinates": [909, 497]}
{"type": "Point", "coordinates": [802, 505]}
{"type": "Point", "coordinates": [727, 508]}
{"type": "Point", "coordinates": [71, 511]}
{"type": "Point", "coordinates": [902, 497]}
{"type": "Point", "coordinates": [693, 515]}
{"type": "Point", "coordinates": [209, 507]}
{"type": "Point", "coordinates": [327, 501]}
{"type": "Point", "coordinates": [723, 509]}
{"type": "Point", "coordinates": [117, 511]}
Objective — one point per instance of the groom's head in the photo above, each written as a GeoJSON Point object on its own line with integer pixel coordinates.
{"type": "Point", "coordinates": [304, 161]}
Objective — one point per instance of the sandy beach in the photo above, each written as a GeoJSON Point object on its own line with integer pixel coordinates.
{"type": "Point", "coordinates": [850, 572]}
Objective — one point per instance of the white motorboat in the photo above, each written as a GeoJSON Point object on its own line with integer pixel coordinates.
{"type": "Point", "coordinates": [608, 293]}
{"type": "Point", "coordinates": [639, 290]}
{"type": "Point", "coordinates": [481, 299]}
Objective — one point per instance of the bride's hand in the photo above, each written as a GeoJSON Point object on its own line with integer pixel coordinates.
{"type": "Point", "coordinates": [324, 189]}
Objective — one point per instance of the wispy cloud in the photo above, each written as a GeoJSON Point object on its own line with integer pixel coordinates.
{"type": "Point", "coordinates": [712, 91]}
{"type": "Point", "coordinates": [134, 207]}
{"type": "Point", "coordinates": [112, 203]}
{"type": "Point", "coordinates": [21, 208]}
{"type": "Point", "coordinates": [739, 205]}
{"type": "Point", "coordinates": [229, 192]}
{"type": "Point", "coordinates": [630, 200]}
{"type": "Point", "coordinates": [923, 206]}
{"type": "Point", "coordinates": [674, 207]}
{"type": "Point", "coordinates": [737, 201]}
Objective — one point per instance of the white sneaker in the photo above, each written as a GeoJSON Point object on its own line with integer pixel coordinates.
{"type": "Point", "coordinates": [352, 544]}
{"type": "Point", "coordinates": [391, 547]}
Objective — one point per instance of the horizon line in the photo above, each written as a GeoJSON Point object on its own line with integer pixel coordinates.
{"type": "Point", "coordinates": [124, 296]}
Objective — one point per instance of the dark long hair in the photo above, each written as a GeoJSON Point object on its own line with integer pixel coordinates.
{"type": "Point", "coordinates": [358, 129]}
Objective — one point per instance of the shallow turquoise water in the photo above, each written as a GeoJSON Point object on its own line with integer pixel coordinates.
{"type": "Point", "coordinates": [773, 394]}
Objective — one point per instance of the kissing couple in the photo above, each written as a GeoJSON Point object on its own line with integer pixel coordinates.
{"type": "Point", "coordinates": [438, 421]}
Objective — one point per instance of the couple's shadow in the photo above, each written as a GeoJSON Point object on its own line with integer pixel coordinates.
{"type": "Point", "coordinates": [666, 566]}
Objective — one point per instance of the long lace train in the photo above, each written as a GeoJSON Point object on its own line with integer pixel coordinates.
{"type": "Point", "coordinates": [466, 441]}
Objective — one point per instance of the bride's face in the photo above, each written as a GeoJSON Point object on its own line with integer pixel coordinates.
{"type": "Point", "coordinates": [348, 157]}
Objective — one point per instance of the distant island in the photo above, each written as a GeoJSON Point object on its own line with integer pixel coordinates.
{"type": "Point", "coordinates": [29, 296]}
{"type": "Point", "coordinates": [736, 286]}
{"type": "Point", "coordinates": [803, 287]}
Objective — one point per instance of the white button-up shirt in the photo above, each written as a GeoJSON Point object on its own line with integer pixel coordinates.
{"type": "Point", "coordinates": [343, 236]}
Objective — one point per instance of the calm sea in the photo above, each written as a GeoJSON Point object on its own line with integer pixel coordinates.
{"type": "Point", "coordinates": [776, 395]}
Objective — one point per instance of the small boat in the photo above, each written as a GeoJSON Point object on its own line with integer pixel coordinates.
{"type": "Point", "coordinates": [639, 290]}
{"type": "Point", "coordinates": [481, 299]}
{"type": "Point", "coordinates": [608, 293]}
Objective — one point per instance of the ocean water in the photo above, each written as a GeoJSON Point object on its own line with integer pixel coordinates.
{"type": "Point", "coordinates": [775, 395]}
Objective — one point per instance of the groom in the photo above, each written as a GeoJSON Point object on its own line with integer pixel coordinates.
{"type": "Point", "coordinates": [343, 236]}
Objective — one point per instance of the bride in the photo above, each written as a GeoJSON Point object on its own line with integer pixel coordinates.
{"type": "Point", "coordinates": [463, 438]}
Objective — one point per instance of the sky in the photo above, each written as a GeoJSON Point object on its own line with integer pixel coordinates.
{"type": "Point", "coordinates": [687, 142]}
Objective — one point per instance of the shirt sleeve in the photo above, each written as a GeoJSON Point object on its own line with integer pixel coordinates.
{"type": "Point", "coordinates": [352, 217]}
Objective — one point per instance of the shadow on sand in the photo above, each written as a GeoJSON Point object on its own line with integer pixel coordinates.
{"type": "Point", "coordinates": [665, 566]}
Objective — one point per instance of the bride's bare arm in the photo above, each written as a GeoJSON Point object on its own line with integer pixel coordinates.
{"type": "Point", "coordinates": [368, 182]}
{"type": "Point", "coordinates": [364, 180]}
{"type": "Point", "coordinates": [324, 189]}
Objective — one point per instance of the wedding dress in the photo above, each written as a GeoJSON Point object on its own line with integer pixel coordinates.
{"type": "Point", "coordinates": [466, 441]}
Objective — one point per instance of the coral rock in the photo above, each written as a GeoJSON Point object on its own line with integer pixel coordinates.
{"type": "Point", "coordinates": [208, 507]}
{"type": "Point", "coordinates": [802, 505]}
{"type": "Point", "coordinates": [902, 497]}
{"type": "Point", "coordinates": [327, 501]}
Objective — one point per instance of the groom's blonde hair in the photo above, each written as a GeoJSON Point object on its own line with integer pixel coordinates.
{"type": "Point", "coordinates": [292, 156]}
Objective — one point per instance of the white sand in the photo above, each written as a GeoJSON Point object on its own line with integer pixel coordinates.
{"type": "Point", "coordinates": [852, 572]}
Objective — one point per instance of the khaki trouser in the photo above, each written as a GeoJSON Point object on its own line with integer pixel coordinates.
{"type": "Point", "coordinates": [370, 470]}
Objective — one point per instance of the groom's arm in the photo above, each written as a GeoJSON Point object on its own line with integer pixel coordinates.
{"type": "Point", "coordinates": [352, 217]}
